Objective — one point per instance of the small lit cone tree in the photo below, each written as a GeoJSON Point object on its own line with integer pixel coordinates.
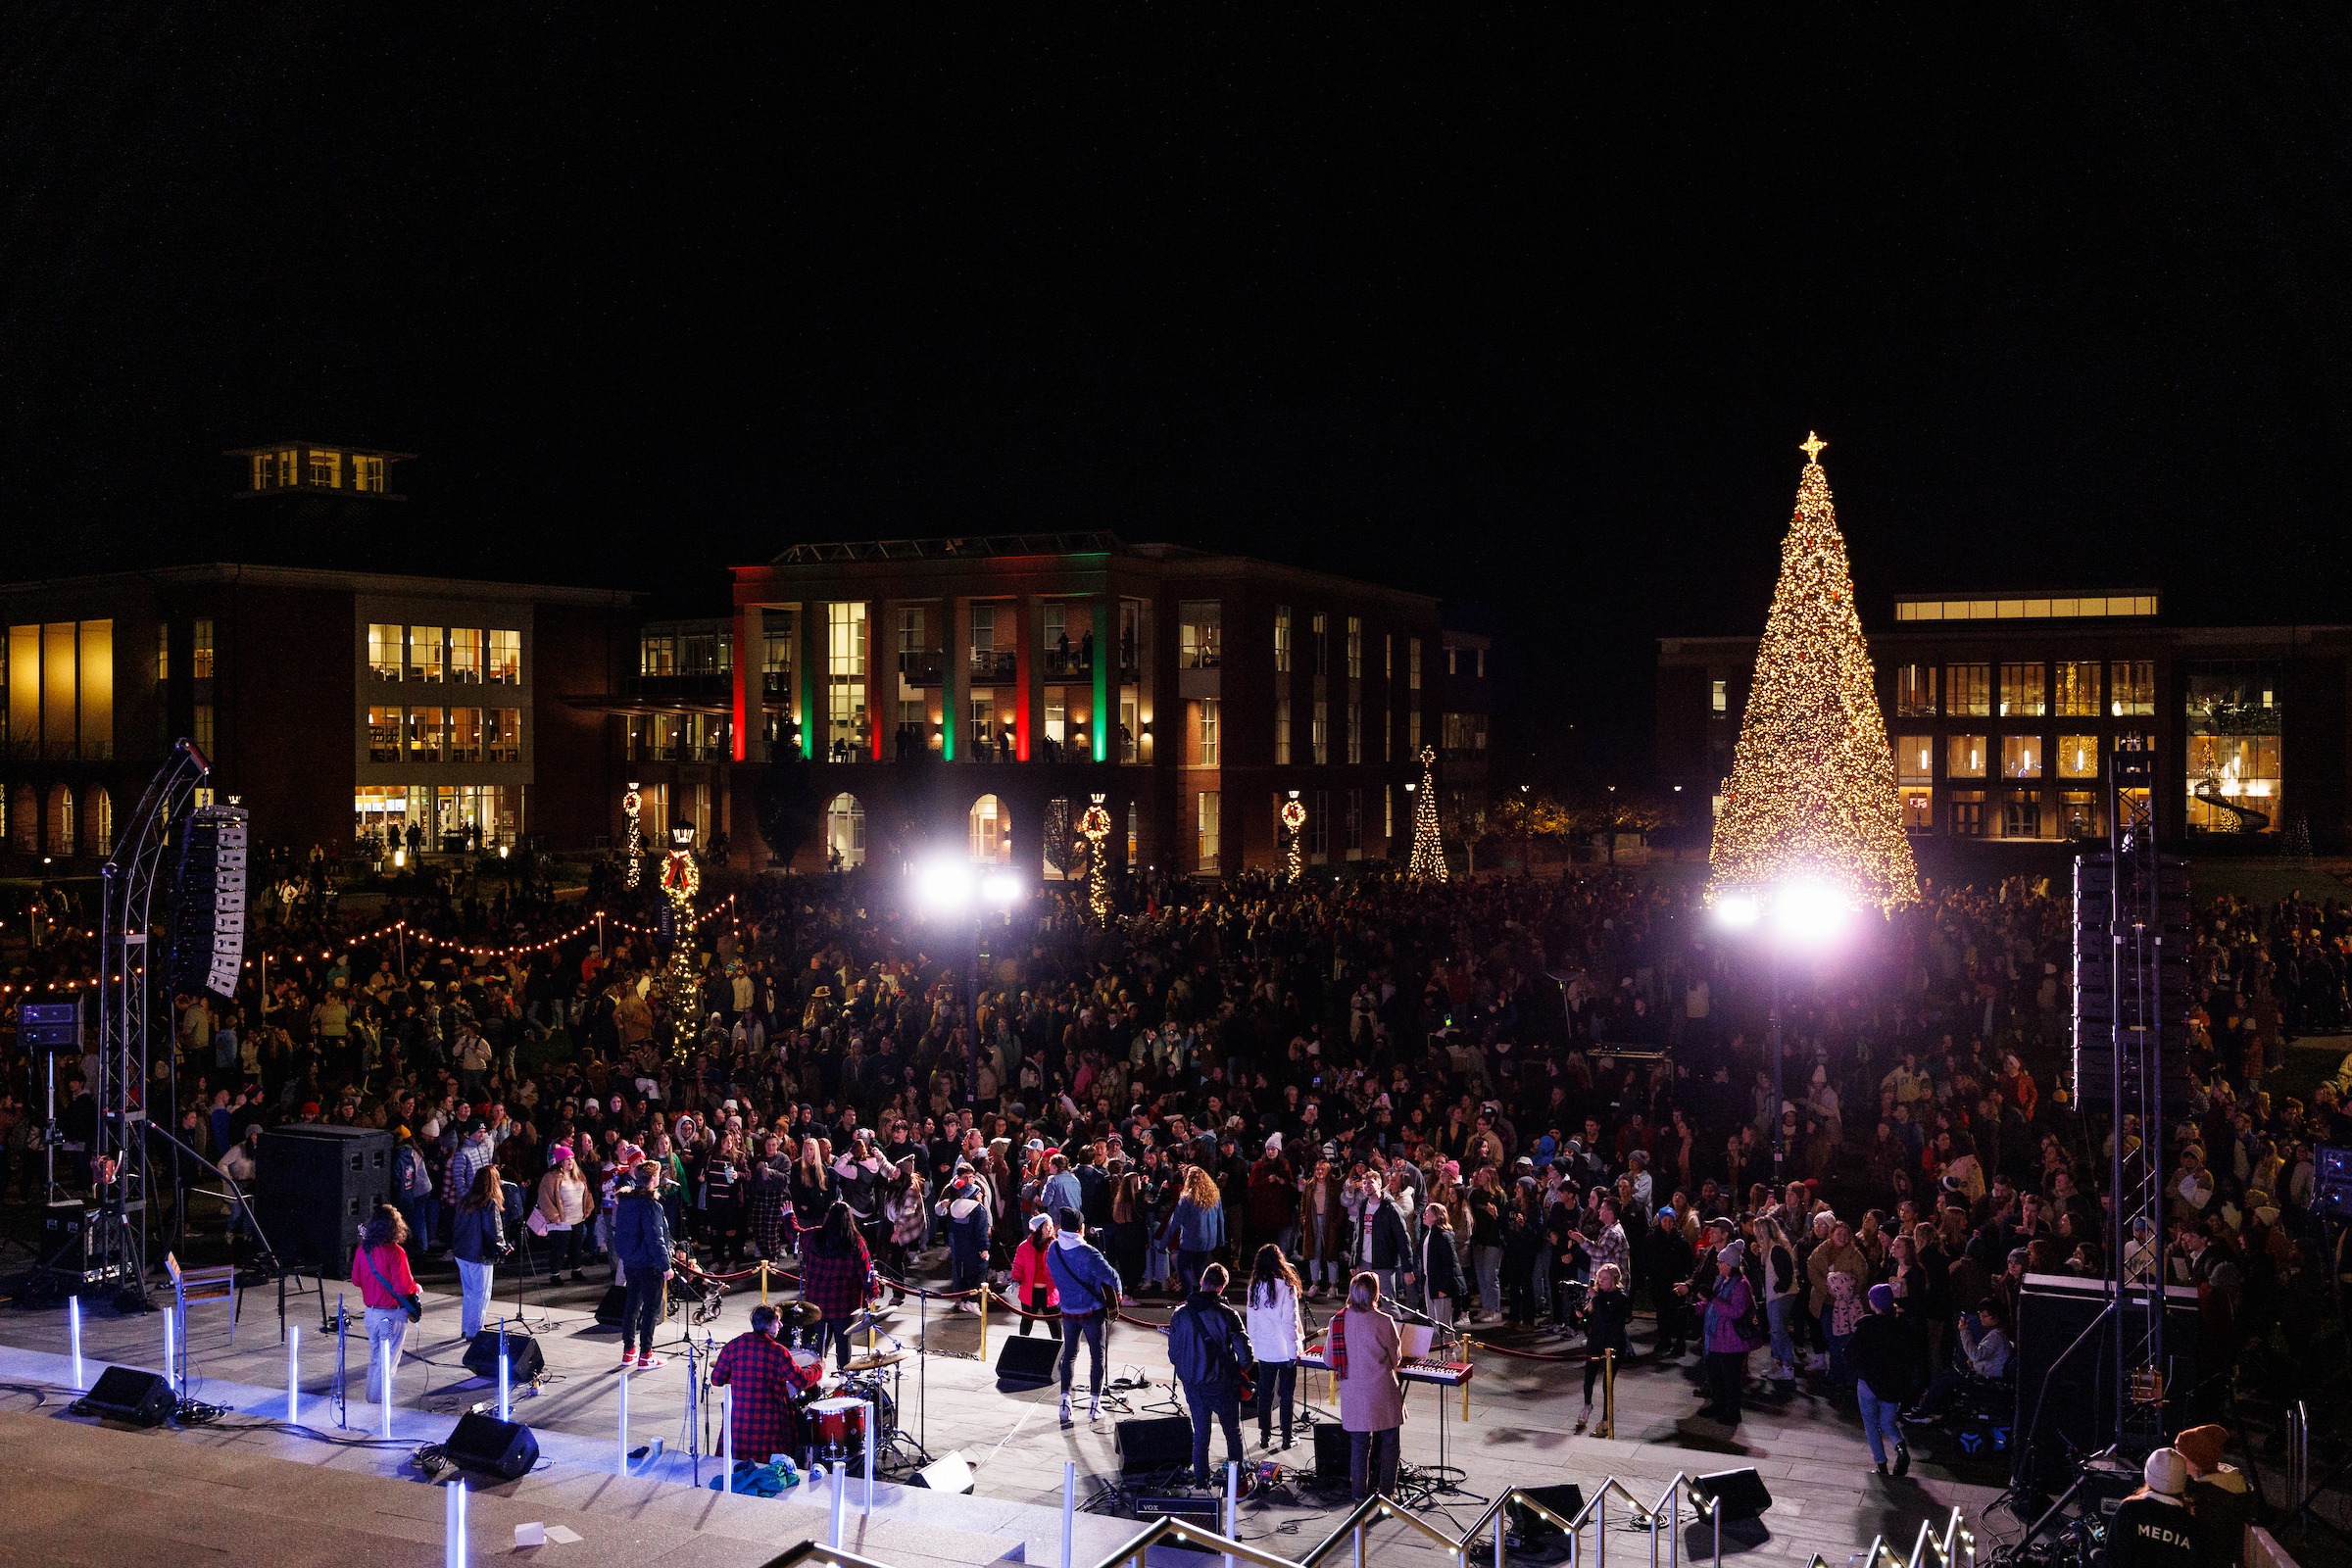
{"type": "Point", "coordinates": [1429, 848]}
{"type": "Point", "coordinates": [1812, 793]}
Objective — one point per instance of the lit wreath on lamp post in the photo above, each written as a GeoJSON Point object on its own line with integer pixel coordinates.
{"type": "Point", "coordinates": [681, 880]}
{"type": "Point", "coordinates": [1294, 822]}
{"type": "Point", "coordinates": [633, 844]}
{"type": "Point", "coordinates": [1095, 825]}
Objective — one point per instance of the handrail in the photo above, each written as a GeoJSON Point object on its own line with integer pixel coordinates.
{"type": "Point", "coordinates": [808, 1551]}
{"type": "Point", "coordinates": [1958, 1542]}
{"type": "Point", "coordinates": [1377, 1506]}
{"type": "Point", "coordinates": [1192, 1537]}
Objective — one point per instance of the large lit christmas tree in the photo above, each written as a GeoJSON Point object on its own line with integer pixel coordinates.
{"type": "Point", "coordinates": [1429, 850]}
{"type": "Point", "coordinates": [1812, 793]}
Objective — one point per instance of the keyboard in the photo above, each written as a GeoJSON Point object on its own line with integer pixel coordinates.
{"type": "Point", "coordinates": [1428, 1369]}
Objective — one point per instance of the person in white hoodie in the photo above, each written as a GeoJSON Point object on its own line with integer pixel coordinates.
{"type": "Point", "coordinates": [1276, 1335]}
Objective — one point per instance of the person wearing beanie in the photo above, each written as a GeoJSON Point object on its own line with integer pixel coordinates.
{"type": "Point", "coordinates": [1033, 1279]}
{"type": "Point", "coordinates": [1088, 1290]}
{"type": "Point", "coordinates": [2152, 1528]}
{"type": "Point", "coordinates": [1726, 1344]}
{"type": "Point", "coordinates": [1885, 1353]}
{"type": "Point", "coordinates": [2218, 1495]}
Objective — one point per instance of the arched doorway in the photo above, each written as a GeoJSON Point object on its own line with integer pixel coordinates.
{"type": "Point", "coordinates": [845, 833]}
{"type": "Point", "coordinates": [59, 830]}
{"type": "Point", "coordinates": [98, 819]}
{"type": "Point", "coordinates": [990, 831]}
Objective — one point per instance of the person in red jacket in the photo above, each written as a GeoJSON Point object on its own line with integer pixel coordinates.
{"type": "Point", "coordinates": [1033, 1279]}
{"type": "Point", "coordinates": [380, 1270]}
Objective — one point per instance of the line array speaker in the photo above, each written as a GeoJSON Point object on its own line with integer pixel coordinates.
{"type": "Point", "coordinates": [208, 928]}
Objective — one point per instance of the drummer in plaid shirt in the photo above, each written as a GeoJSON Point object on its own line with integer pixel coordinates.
{"type": "Point", "coordinates": [765, 1386]}
{"type": "Point", "coordinates": [837, 1278]}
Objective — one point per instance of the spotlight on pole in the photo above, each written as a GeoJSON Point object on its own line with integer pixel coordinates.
{"type": "Point", "coordinates": [1808, 911]}
{"type": "Point", "coordinates": [1002, 889]}
{"type": "Point", "coordinates": [945, 887]}
{"type": "Point", "coordinates": [1739, 909]}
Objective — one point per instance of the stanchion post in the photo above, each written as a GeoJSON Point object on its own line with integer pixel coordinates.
{"type": "Point", "coordinates": [1608, 1393]}
{"type": "Point", "coordinates": [726, 1429]}
{"type": "Point", "coordinates": [1467, 1346]}
{"type": "Point", "coordinates": [763, 1282]}
{"type": "Point", "coordinates": [984, 1320]}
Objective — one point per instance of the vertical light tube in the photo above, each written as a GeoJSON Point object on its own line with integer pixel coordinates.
{"type": "Point", "coordinates": [293, 1372]}
{"type": "Point", "coordinates": [73, 1324]}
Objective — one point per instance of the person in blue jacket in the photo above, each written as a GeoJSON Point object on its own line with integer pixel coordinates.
{"type": "Point", "coordinates": [1089, 1292]}
{"type": "Point", "coordinates": [1197, 1227]}
{"type": "Point", "coordinates": [965, 1207]}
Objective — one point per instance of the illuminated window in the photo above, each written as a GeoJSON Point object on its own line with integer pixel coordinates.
{"type": "Point", "coordinates": [2079, 813]}
{"type": "Point", "coordinates": [1967, 812]}
{"type": "Point", "coordinates": [2235, 724]}
{"type": "Point", "coordinates": [1319, 734]}
{"type": "Point", "coordinates": [326, 468]}
{"type": "Point", "coordinates": [1282, 639]}
{"type": "Point", "coordinates": [426, 660]}
{"type": "Point", "coordinates": [1914, 691]}
{"type": "Point", "coordinates": [2132, 687]}
{"type": "Point", "coordinates": [657, 654]}
{"type": "Point", "coordinates": [1320, 636]}
{"type": "Point", "coordinates": [2023, 694]}
{"type": "Point", "coordinates": [2077, 688]}
{"type": "Point", "coordinates": [1281, 730]}
{"type": "Point", "coordinates": [1412, 666]}
{"type": "Point", "coordinates": [200, 661]}
{"type": "Point", "coordinates": [1205, 845]}
{"type": "Point", "coordinates": [464, 734]}
{"type": "Point", "coordinates": [1352, 823]}
{"type": "Point", "coordinates": [1719, 697]}
{"type": "Point", "coordinates": [990, 831]}
{"type": "Point", "coordinates": [1915, 758]}
{"type": "Point", "coordinates": [383, 734]}
{"type": "Point", "coordinates": [1968, 690]}
{"type": "Point", "coordinates": [1355, 733]}
{"type": "Point", "coordinates": [2021, 814]}
{"type": "Point", "coordinates": [1211, 750]}
{"type": "Point", "coordinates": [59, 828]}
{"type": "Point", "coordinates": [1919, 808]}
{"type": "Point", "coordinates": [163, 654]}
{"type": "Point", "coordinates": [98, 819]}
{"type": "Point", "coordinates": [265, 471]}
{"type": "Point", "coordinates": [1355, 648]}
{"type": "Point", "coordinates": [505, 657]}
{"type": "Point", "coordinates": [385, 655]}
{"type": "Point", "coordinates": [2021, 757]}
{"type": "Point", "coordinates": [1199, 634]}
{"type": "Point", "coordinates": [845, 672]}
{"type": "Point", "coordinates": [1388, 811]}
{"type": "Point", "coordinates": [1964, 756]}
{"type": "Point", "coordinates": [466, 655]}
{"type": "Point", "coordinates": [425, 726]}
{"type": "Point", "coordinates": [367, 473]}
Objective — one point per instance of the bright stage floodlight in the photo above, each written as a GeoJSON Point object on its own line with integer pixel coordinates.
{"type": "Point", "coordinates": [943, 886]}
{"type": "Point", "coordinates": [1002, 889]}
{"type": "Point", "coordinates": [1808, 911]}
{"type": "Point", "coordinates": [1738, 908]}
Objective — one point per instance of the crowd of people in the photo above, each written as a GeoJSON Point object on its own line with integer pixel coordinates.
{"type": "Point", "coordinates": [1540, 1107]}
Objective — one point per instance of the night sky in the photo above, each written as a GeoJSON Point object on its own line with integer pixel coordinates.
{"type": "Point", "coordinates": [1495, 303]}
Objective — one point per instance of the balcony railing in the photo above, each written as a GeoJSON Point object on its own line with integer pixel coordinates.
{"type": "Point", "coordinates": [921, 667]}
{"type": "Point", "coordinates": [1067, 661]}
{"type": "Point", "coordinates": [990, 664]}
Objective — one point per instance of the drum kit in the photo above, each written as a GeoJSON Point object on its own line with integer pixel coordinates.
{"type": "Point", "coordinates": [833, 1427]}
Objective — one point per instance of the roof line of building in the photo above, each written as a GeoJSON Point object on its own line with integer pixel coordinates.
{"type": "Point", "coordinates": [313, 577]}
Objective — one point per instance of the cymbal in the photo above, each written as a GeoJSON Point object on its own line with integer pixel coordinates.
{"type": "Point", "coordinates": [876, 1361]}
{"type": "Point", "coordinates": [804, 1313]}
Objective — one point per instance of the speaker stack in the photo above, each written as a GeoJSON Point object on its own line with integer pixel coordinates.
{"type": "Point", "coordinates": [317, 1186]}
{"type": "Point", "coordinates": [208, 928]}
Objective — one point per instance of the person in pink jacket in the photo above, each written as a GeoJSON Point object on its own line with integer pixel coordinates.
{"type": "Point", "coordinates": [1033, 1279]}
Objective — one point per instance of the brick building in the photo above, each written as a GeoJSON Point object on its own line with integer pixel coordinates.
{"type": "Point", "coordinates": [971, 695]}
{"type": "Point", "coordinates": [329, 702]}
{"type": "Point", "coordinates": [2002, 710]}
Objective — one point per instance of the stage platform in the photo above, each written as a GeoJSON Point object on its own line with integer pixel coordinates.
{"type": "Point", "coordinates": [103, 1486]}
